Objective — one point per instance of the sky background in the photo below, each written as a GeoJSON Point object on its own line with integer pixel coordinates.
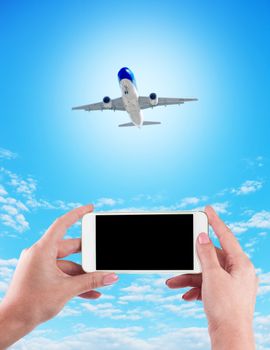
{"type": "Point", "coordinates": [56, 55]}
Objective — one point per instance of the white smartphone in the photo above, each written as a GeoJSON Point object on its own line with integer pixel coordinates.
{"type": "Point", "coordinates": [153, 242]}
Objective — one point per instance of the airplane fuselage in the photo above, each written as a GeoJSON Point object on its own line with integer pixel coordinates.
{"type": "Point", "coordinates": [130, 100]}
{"type": "Point", "coordinates": [130, 96]}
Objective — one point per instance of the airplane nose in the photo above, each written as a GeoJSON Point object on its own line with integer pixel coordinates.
{"type": "Point", "coordinates": [125, 73]}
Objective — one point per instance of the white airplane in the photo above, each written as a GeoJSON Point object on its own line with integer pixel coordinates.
{"type": "Point", "coordinates": [131, 102]}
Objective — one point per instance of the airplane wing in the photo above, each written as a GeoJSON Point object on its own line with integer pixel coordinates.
{"type": "Point", "coordinates": [144, 101]}
{"type": "Point", "coordinates": [116, 105]}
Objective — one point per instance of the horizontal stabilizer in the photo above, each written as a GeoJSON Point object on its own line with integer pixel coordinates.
{"type": "Point", "coordinates": [127, 124]}
{"type": "Point", "coordinates": [151, 123]}
{"type": "Point", "coordinates": [144, 123]}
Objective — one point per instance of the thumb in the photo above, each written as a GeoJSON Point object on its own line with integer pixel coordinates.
{"type": "Point", "coordinates": [207, 253]}
{"type": "Point", "coordinates": [83, 283]}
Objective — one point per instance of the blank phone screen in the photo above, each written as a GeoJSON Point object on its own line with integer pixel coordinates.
{"type": "Point", "coordinates": [144, 242]}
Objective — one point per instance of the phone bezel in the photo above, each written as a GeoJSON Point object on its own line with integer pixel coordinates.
{"type": "Point", "coordinates": [200, 224]}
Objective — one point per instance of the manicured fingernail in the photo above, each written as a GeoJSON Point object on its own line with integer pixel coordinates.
{"type": "Point", "coordinates": [110, 279]}
{"type": "Point", "coordinates": [203, 238]}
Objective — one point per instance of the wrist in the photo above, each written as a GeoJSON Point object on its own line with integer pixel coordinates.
{"type": "Point", "coordinates": [232, 335]}
{"type": "Point", "coordinates": [13, 324]}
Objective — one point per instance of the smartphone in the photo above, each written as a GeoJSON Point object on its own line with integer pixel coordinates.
{"type": "Point", "coordinates": [148, 242]}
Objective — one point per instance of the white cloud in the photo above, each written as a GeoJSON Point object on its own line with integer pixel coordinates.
{"type": "Point", "coordinates": [221, 207]}
{"type": "Point", "coordinates": [11, 201]}
{"type": "Point", "coordinates": [128, 338]}
{"type": "Point", "coordinates": [107, 202]}
{"type": "Point", "coordinates": [247, 187]}
{"type": "Point", "coordinates": [19, 196]}
{"type": "Point", "coordinates": [134, 288]}
{"type": "Point", "coordinates": [189, 201]}
{"type": "Point", "coordinates": [106, 297]}
{"type": "Point", "coordinates": [10, 209]}
{"type": "Point", "coordinates": [260, 220]}
{"type": "Point", "coordinates": [108, 310]}
{"type": "Point", "coordinates": [7, 154]}
{"type": "Point", "coordinates": [238, 227]}
{"type": "Point", "coordinates": [69, 311]}
{"type": "Point", "coordinates": [263, 290]}
{"type": "Point", "coordinates": [102, 310]}
{"type": "Point", "coordinates": [140, 297]}
{"type": "Point", "coordinates": [26, 187]}
{"type": "Point", "coordinates": [186, 310]}
{"type": "Point", "coordinates": [264, 283]}
{"type": "Point", "coordinates": [262, 321]}
{"type": "Point", "coordinates": [8, 262]}
{"type": "Point", "coordinates": [17, 222]}
{"type": "Point", "coordinates": [134, 315]}
{"type": "Point", "coordinates": [3, 192]}
{"type": "Point", "coordinates": [262, 234]}
{"type": "Point", "coordinates": [148, 289]}
{"type": "Point", "coordinates": [3, 286]}
{"type": "Point", "coordinates": [251, 244]}
{"type": "Point", "coordinates": [7, 267]}
{"type": "Point", "coordinates": [32, 202]}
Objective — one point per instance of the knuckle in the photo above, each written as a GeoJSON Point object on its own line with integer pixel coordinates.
{"type": "Point", "coordinates": [36, 248]}
{"type": "Point", "coordinates": [24, 252]}
{"type": "Point", "coordinates": [92, 281]}
{"type": "Point", "coordinates": [247, 266]}
{"type": "Point", "coordinates": [77, 213]}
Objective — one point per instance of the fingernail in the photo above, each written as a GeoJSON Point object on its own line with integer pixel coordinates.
{"type": "Point", "coordinates": [168, 281]}
{"type": "Point", "coordinates": [203, 238]}
{"type": "Point", "coordinates": [110, 279]}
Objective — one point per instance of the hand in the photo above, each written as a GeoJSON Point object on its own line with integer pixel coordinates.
{"type": "Point", "coordinates": [227, 287]}
{"type": "Point", "coordinates": [42, 285]}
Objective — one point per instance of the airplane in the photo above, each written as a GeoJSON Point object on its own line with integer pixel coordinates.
{"type": "Point", "coordinates": [131, 102]}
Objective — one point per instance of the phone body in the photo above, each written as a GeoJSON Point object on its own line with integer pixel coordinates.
{"type": "Point", "coordinates": [142, 242]}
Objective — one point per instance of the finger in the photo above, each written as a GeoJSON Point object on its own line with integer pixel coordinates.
{"type": "Point", "coordinates": [73, 269]}
{"type": "Point", "coordinates": [221, 256]}
{"type": "Point", "coordinates": [227, 240]}
{"type": "Point", "coordinates": [183, 281]}
{"type": "Point", "coordinates": [68, 246]}
{"type": "Point", "coordinates": [93, 294]}
{"type": "Point", "coordinates": [69, 267]}
{"type": "Point", "coordinates": [59, 227]}
{"type": "Point", "coordinates": [207, 253]}
{"type": "Point", "coordinates": [192, 294]}
{"type": "Point", "coordinates": [192, 280]}
{"type": "Point", "coordinates": [83, 283]}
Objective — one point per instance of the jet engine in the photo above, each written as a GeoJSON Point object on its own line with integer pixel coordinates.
{"type": "Point", "coordinates": [153, 99]}
{"type": "Point", "coordinates": [107, 102]}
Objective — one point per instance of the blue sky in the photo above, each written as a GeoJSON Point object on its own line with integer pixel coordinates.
{"type": "Point", "coordinates": [57, 55]}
